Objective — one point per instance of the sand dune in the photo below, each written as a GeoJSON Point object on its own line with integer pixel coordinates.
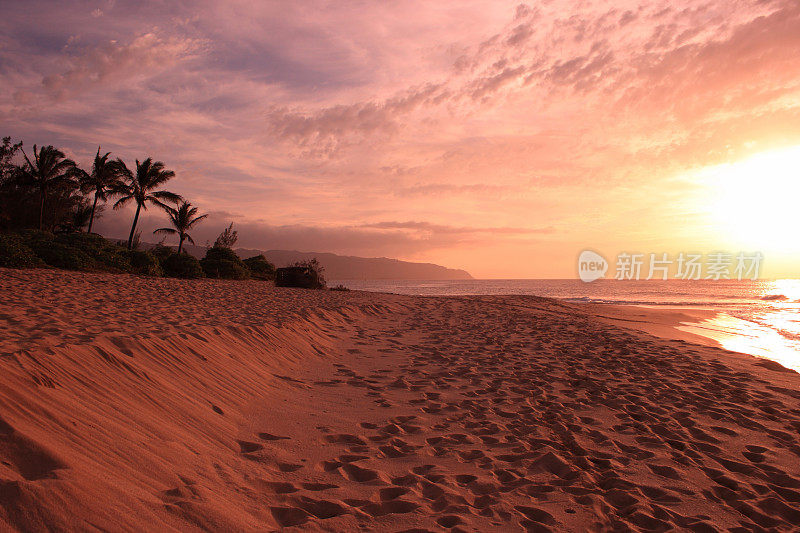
{"type": "Point", "coordinates": [149, 404]}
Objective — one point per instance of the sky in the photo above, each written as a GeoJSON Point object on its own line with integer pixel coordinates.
{"type": "Point", "coordinates": [499, 137]}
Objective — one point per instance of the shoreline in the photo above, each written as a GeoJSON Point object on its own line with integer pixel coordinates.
{"type": "Point", "coordinates": [662, 321]}
{"type": "Point", "coordinates": [140, 403]}
{"type": "Point", "coordinates": [704, 326]}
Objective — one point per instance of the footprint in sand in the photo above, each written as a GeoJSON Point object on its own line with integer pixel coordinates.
{"type": "Point", "coordinates": [316, 487]}
{"type": "Point", "coordinates": [358, 474]}
{"type": "Point", "coordinates": [279, 487]}
{"type": "Point", "coordinates": [249, 447]}
{"type": "Point", "coordinates": [270, 437]}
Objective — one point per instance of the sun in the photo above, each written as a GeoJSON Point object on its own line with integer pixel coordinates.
{"type": "Point", "coordinates": [755, 202]}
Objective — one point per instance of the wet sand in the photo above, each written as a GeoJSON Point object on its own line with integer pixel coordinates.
{"type": "Point", "coordinates": [148, 404]}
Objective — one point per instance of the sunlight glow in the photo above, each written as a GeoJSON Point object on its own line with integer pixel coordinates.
{"type": "Point", "coordinates": [753, 202]}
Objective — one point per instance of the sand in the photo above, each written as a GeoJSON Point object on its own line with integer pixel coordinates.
{"type": "Point", "coordinates": [131, 404]}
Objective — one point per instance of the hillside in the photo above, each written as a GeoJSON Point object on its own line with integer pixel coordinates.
{"type": "Point", "coordinates": [351, 267]}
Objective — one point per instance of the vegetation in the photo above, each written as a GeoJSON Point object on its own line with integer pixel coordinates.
{"type": "Point", "coordinates": [260, 268]}
{"type": "Point", "coordinates": [183, 219]}
{"type": "Point", "coordinates": [49, 205]}
{"type": "Point", "coordinates": [223, 263]}
{"type": "Point", "coordinates": [228, 238]}
{"type": "Point", "coordinates": [73, 251]}
{"type": "Point", "coordinates": [181, 265]}
{"type": "Point", "coordinates": [145, 263]}
{"type": "Point", "coordinates": [14, 253]}
{"type": "Point", "coordinates": [317, 271]}
{"type": "Point", "coordinates": [102, 181]}
{"type": "Point", "coordinates": [307, 274]}
{"type": "Point", "coordinates": [142, 188]}
{"type": "Point", "coordinates": [49, 169]}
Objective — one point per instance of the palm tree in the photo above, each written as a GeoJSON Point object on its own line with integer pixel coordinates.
{"type": "Point", "coordinates": [142, 188]}
{"type": "Point", "coordinates": [49, 168]}
{"type": "Point", "coordinates": [104, 181]}
{"type": "Point", "coordinates": [183, 219]}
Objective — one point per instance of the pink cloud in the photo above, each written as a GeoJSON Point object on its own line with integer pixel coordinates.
{"type": "Point", "coordinates": [337, 115]}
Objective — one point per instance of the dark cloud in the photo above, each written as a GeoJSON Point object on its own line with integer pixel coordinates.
{"type": "Point", "coordinates": [373, 239]}
{"type": "Point", "coordinates": [454, 230]}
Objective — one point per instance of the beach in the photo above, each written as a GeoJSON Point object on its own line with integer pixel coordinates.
{"type": "Point", "coordinates": [133, 403]}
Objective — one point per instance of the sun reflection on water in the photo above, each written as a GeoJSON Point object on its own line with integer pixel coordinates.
{"type": "Point", "coordinates": [770, 330]}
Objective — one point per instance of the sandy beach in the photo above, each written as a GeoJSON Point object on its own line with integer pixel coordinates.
{"type": "Point", "coordinates": [132, 404]}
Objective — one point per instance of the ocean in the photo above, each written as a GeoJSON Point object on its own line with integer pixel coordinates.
{"type": "Point", "coordinates": [756, 317]}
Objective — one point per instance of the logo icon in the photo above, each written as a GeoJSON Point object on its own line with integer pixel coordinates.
{"type": "Point", "coordinates": [591, 266]}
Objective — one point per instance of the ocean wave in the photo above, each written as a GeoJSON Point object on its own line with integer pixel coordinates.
{"type": "Point", "coordinates": [692, 303]}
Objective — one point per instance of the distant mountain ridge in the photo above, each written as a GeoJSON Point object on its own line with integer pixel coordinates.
{"type": "Point", "coordinates": [351, 267]}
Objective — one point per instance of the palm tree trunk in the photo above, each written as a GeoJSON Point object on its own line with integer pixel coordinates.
{"type": "Point", "coordinates": [180, 244]}
{"type": "Point", "coordinates": [133, 228]}
{"type": "Point", "coordinates": [41, 208]}
{"type": "Point", "coordinates": [91, 218]}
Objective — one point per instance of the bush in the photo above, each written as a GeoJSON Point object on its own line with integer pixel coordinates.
{"type": "Point", "coordinates": [223, 263]}
{"type": "Point", "coordinates": [31, 236]}
{"type": "Point", "coordinates": [15, 254]}
{"type": "Point", "coordinates": [161, 252]}
{"type": "Point", "coordinates": [182, 265]}
{"type": "Point", "coordinates": [303, 274]}
{"type": "Point", "coordinates": [106, 254]}
{"type": "Point", "coordinates": [260, 268]}
{"type": "Point", "coordinates": [144, 263]}
{"type": "Point", "coordinates": [340, 287]}
{"type": "Point", "coordinates": [59, 255]}
{"type": "Point", "coordinates": [316, 271]}
{"type": "Point", "coordinates": [84, 241]}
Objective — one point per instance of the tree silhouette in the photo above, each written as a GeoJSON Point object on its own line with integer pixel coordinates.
{"type": "Point", "coordinates": [49, 168]}
{"type": "Point", "coordinates": [183, 219]}
{"type": "Point", "coordinates": [104, 180]}
{"type": "Point", "coordinates": [227, 238]}
{"type": "Point", "coordinates": [7, 152]}
{"type": "Point", "coordinates": [141, 188]}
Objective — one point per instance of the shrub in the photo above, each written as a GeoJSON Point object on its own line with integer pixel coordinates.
{"type": "Point", "coordinates": [223, 263]}
{"type": "Point", "coordinates": [107, 255]}
{"type": "Point", "coordinates": [161, 252]}
{"type": "Point", "coordinates": [85, 241]}
{"type": "Point", "coordinates": [59, 255]}
{"type": "Point", "coordinates": [15, 254]}
{"type": "Point", "coordinates": [340, 287]}
{"type": "Point", "coordinates": [260, 268]}
{"type": "Point", "coordinates": [316, 271]}
{"type": "Point", "coordinates": [32, 236]}
{"type": "Point", "coordinates": [182, 265]}
{"type": "Point", "coordinates": [114, 258]}
{"type": "Point", "coordinates": [304, 274]}
{"type": "Point", "coordinates": [144, 263]}
{"type": "Point", "coordinates": [227, 238]}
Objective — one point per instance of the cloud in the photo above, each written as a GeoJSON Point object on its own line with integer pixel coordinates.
{"type": "Point", "coordinates": [321, 125]}
{"type": "Point", "coordinates": [114, 62]}
{"type": "Point", "coordinates": [372, 239]}
{"type": "Point", "coordinates": [335, 124]}
{"type": "Point", "coordinates": [428, 227]}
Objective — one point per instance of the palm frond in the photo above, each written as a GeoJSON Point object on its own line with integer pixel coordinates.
{"type": "Point", "coordinates": [166, 195]}
{"type": "Point", "coordinates": [156, 201]}
{"type": "Point", "coordinates": [194, 221]}
{"type": "Point", "coordinates": [123, 201]}
{"type": "Point", "coordinates": [122, 169]}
